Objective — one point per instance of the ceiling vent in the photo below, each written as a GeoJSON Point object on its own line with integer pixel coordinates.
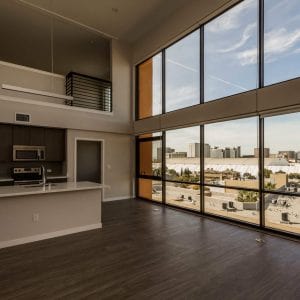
{"type": "Point", "coordinates": [24, 118]}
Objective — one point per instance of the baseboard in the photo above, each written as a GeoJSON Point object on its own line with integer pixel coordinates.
{"type": "Point", "coordinates": [116, 198]}
{"type": "Point", "coordinates": [50, 235]}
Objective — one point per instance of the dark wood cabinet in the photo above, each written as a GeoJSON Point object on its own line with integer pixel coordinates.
{"type": "Point", "coordinates": [21, 135]}
{"type": "Point", "coordinates": [55, 144]}
{"type": "Point", "coordinates": [6, 143]}
{"type": "Point", "coordinates": [52, 138]}
{"type": "Point", "coordinates": [37, 136]}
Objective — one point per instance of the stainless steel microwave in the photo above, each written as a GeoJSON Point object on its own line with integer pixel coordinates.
{"type": "Point", "coordinates": [29, 153]}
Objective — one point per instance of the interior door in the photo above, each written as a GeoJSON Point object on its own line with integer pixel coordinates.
{"type": "Point", "coordinates": [89, 161]}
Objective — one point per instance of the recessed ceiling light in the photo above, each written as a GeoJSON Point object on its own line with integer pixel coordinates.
{"type": "Point", "coordinates": [114, 9]}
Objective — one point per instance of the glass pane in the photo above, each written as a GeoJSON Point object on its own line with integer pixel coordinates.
{"type": "Point", "coordinates": [230, 153]}
{"type": "Point", "coordinates": [150, 189]}
{"type": "Point", "coordinates": [231, 203]}
{"type": "Point", "coordinates": [150, 158]}
{"type": "Point", "coordinates": [183, 195]}
{"type": "Point", "coordinates": [149, 88]}
{"type": "Point", "coordinates": [282, 212]}
{"type": "Point", "coordinates": [183, 154]}
{"type": "Point", "coordinates": [231, 51]}
{"type": "Point", "coordinates": [282, 153]}
{"type": "Point", "coordinates": [183, 73]}
{"type": "Point", "coordinates": [282, 40]}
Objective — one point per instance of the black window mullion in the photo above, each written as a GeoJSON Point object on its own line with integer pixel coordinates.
{"type": "Point", "coordinates": [261, 172]}
{"type": "Point", "coordinates": [163, 83]}
{"type": "Point", "coordinates": [261, 30]}
{"type": "Point", "coordinates": [202, 168]}
{"type": "Point", "coordinates": [163, 167]}
{"type": "Point", "coordinates": [202, 64]}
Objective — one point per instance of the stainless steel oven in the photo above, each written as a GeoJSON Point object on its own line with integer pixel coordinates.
{"type": "Point", "coordinates": [29, 153]}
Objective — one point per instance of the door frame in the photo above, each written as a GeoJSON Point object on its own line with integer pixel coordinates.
{"type": "Point", "coordinates": [101, 159]}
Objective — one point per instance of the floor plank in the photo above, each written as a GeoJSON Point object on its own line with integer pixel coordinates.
{"type": "Point", "coordinates": [146, 251]}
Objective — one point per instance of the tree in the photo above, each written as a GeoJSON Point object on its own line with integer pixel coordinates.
{"type": "Point", "coordinates": [247, 196]}
{"type": "Point", "coordinates": [270, 186]}
{"type": "Point", "coordinates": [267, 173]}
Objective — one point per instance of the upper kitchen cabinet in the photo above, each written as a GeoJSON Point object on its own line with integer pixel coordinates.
{"type": "Point", "coordinates": [21, 135]}
{"type": "Point", "coordinates": [6, 138]}
{"type": "Point", "coordinates": [37, 136]}
{"type": "Point", "coordinates": [55, 144]}
{"type": "Point", "coordinates": [29, 136]}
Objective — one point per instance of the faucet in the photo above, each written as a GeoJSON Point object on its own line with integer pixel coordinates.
{"type": "Point", "coordinates": [44, 175]}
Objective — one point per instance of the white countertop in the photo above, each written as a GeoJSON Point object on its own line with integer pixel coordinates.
{"type": "Point", "coordinates": [5, 179]}
{"type": "Point", "coordinates": [23, 190]}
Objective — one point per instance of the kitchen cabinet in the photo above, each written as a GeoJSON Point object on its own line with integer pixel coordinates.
{"type": "Point", "coordinates": [6, 138]}
{"type": "Point", "coordinates": [37, 136]}
{"type": "Point", "coordinates": [55, 144]}
{"type": "Point", "coordinates": [52, 138]}
{"type": "Point", "coordinates": [21, 135]}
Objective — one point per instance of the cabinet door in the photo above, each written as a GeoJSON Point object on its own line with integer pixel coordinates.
{"type": "Point", "coordinates": [6, 138]}
{"type": "Point", "coordinates": [21, 135]}
{"type": "Point", "coordinates": [37, 136]}
{"type": "Point", "coordinates": [55, 144]}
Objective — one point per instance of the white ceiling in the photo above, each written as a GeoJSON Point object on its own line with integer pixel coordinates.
{"type": "Point", "coordinates": [122, 19]}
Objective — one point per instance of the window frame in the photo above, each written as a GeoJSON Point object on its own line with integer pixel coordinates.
{"type": "Point", "coordinates": [261, 190]}
{"type": "Point", "coordinates": [260, 63]}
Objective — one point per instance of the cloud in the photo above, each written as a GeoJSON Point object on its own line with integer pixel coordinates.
{"type": "Point", "coordinates": [277, 43]}
{"type": "Point", "coordinates": [230, 19]}
{"type": "Point", "coordinates": [247, 34]}
{"type": "Point", "coordinates": [280, 41]}
{"type": "Point", "coordinates": [248, 57]}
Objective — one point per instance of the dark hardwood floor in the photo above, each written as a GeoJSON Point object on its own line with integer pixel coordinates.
{"type": "Point", "coordinates": [145, 251]}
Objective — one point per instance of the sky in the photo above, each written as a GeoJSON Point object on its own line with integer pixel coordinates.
{"type": "Point", "coordinates": [231, 67]}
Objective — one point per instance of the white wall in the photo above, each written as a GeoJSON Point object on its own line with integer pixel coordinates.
{"type": "Point", "coordinates": [64, 116]}
{"type": "Point", "coordinates": [115, 128]}
{"type": "Point", "coordinates": [118, 161]}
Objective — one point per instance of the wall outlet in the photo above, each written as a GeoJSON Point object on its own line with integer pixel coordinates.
{"type": "Point", "coordinates": [35, 217]}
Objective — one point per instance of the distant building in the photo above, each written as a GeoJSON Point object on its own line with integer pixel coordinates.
{"type": "Point", "coordinates": [298, 156]}
{"type": "Point", "coordinates": [206, 150]}
{"type": "Point", "coordinates": [216, 152]}
{"type": "Point", "coordinates": [266, 152]}
{"type": "Point", "coordinates": [194, 150]}
{"type": "Point", "coordinates": [238, 152]}
{"type": "Point", "coordinates": [289, 155]}
{"type": "Point", "coordinates": [229, 152]}
{"type": "Point", "coordinates": [178, 155]}
{"type": "Point", "coordinates": [168, 151]}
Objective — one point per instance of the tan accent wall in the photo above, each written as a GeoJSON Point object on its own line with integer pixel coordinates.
{"type": "Point", "coordinates": [145, 89]}
{"type": "Point", "coordinates": [146, 158]}
{"type": "Point", "coordinates": [145, 188]}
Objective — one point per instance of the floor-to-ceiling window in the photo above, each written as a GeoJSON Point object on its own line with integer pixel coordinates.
{"type": "Point", "coordinates": [244, 169]}
{"type": "Point", "coordinates": [149, 166]}
{"type": "Point", "coordinates": [231, 52]}
{"type": "Point", "coordinates": [231, 172]}
{"type": "Point", "coordinates": [183, 73]}
{"type": "Point", "coordinates": [281, 40]}
{"type": "Point", "coordinates": [282, 172]}
{"type": "Point", "coordinates": [182, 173]}
{"type": "Point", "coordinates": [223, 58]}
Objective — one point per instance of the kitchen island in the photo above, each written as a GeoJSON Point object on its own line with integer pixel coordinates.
{"type": "Point", "coordinates": [36, 212]}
